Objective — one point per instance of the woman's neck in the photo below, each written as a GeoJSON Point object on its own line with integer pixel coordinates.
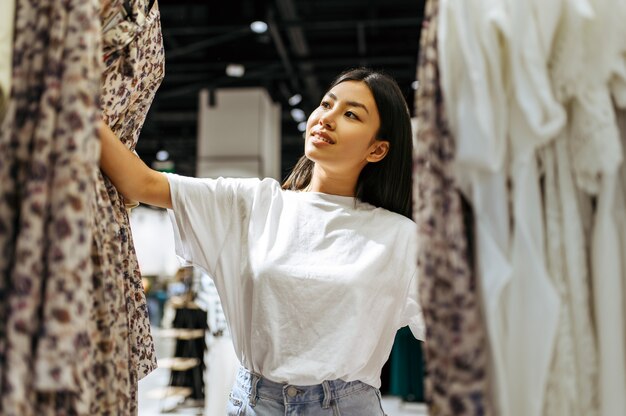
{"type": "Point", "coordinates": [334, 184]}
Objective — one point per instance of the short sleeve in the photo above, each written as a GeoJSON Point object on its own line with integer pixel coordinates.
{"type": "Point", "coordinates": [412, 313]}
{"type": "Point", "coordinates": [208, 212]}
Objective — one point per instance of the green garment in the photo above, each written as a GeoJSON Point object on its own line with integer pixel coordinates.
{"type": "Point", "coordinates": [407, 367]}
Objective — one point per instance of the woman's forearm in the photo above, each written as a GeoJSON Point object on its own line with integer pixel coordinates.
{"type": "Point", "coordinates": [132, 178]}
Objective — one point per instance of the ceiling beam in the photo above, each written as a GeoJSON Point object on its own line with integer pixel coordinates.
{"type": "Point", "coordinates": [320, 62]}
{"type": "Point", "coordinates": [206, 43]}
{"type": "Point", "coordinates": [217, 82]}
{"type": "Point", "coordinates": [282, 50]}
{"type": "Point", "coordinates": [360, 34]}
{"type": "Point", "coordinates": [300, 48]}
{"type": "Point", "coordinates": [306, 24]}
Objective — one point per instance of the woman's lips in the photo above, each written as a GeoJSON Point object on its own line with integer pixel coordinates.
{"type": "Point", "coordinates": [321, 137]}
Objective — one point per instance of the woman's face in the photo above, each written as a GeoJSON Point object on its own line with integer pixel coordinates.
{"type": "Point", "coordinates": [341, 132]}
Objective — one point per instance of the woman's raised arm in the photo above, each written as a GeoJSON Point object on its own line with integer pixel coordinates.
{"type": "Point", "coordinates": [132, 178]}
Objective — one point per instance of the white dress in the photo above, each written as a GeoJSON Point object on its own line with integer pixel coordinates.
{"type": "Point", "coordinates": [597, 154]}
{"type": "Point", "coordinates": [472, 48]}
{"type": "Point", "coordinates": [572, 384]}
{"type": "Point", "coordinates": [494, 72]}
{"type": "Point", "coordinates": [531, 301]}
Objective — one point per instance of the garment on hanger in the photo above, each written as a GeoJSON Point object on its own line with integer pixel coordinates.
{"type": "Point", "coordinates": [49, 152]}
{"type": "Point", "coordinates": [134, 68]}
{"type": "Point", "coordinates": [406, 364]}
{"type": "Point", "coordinates": [596, 155]}
{"type": "Point", "coordinates": [608, 242]}
{"type": "Point", "coordinates": [572, 386]}
{"type": "Point", "coordinates": [455, 347]}
{"type": "Point", "coordinates": [530, 301]}
{"type": "Point", "coordinates": [509, 91]}
{"type": "Point", "coordinates": [7, 18]}
{"type": "Point", "coordinates": [499, 114]}
{"type": "Point", "coordinates": [472, 40]}
{"type": "Point", "coordinates": [190, 318]}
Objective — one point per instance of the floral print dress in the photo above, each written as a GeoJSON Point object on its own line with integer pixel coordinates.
{"type": "Point", "coordinates": [49, 153]}
{"type": "Point", "coordinates": [74, 331]}
{"type": "Point", "coordinates": [134, 67]}
{"type": "Point", "coordinates": [456, 343]}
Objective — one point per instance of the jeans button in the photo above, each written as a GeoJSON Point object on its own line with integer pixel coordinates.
{"type": "Point", "coordinates": [292, 391]}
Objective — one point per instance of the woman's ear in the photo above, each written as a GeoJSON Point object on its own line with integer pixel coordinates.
{"type": "Point", "coordinates": [378, 150]}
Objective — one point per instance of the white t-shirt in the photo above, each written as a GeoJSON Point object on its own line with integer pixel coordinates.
{"type": "Point", "coordinates": [314, 286]}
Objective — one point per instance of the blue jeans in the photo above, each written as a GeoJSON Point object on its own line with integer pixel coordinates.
{"type": "Point", "coordinates": [253, 395]}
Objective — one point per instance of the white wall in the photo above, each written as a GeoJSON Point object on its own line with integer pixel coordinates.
{"type": "Point", "coordinates": [154, 241]}
{"type": "Point", "coordinates": [240, 135]}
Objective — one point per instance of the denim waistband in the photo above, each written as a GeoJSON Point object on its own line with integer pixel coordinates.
{"type": "Point", "coordinates": [257, 386]}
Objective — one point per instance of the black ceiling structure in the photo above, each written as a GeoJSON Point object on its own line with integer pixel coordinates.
{"type": "Point", "coordinates": [307, 44]}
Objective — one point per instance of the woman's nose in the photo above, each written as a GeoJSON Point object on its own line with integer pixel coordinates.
{"type": "Point", "coordinates": [327, 121]}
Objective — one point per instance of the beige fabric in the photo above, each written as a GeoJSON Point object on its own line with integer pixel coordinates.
{"type": "Point", "coordinates": [7, 18]}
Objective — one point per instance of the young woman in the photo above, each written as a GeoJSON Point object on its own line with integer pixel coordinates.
{"type": "Point", "coordinates": [315, 277]}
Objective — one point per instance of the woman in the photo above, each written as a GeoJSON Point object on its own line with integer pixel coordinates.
{"type": "Point", "coordinates": [315, 277]}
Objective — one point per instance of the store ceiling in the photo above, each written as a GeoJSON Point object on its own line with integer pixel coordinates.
{"type": "Point", "coordinates": [308, 43]}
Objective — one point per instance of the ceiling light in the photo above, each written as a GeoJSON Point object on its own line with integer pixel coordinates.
{"type": "Point", "coordinates": [302, 126]}
{"type": "Point", "coordinates": [298, 115]}
{"type": "Point", "coordinates": [295, 99]}
{"type": "Point", "coordinates": [235, 70]}
{"type": "Point", "coordinates": [258, 26]}
{"type": "Point", "coordinates": [162, 155]}
{"type": "Point", "coordinates": [415, 85]}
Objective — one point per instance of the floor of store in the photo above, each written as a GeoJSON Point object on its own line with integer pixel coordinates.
{"type": "Point", "coordinates": [154, 401]}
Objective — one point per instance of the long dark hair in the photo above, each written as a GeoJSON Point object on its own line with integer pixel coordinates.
{"type": "Point", "coordinates": [386, 183]}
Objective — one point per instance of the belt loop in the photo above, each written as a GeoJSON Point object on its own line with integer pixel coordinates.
{"type": "Point", "coordinates": [327, 395]}
{"type": "Point", "coordinates": [253, 395]}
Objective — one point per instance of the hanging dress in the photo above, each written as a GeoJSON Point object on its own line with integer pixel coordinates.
{"type": "Point", "coordinates": [472, 41]}
{"type": "Point", "coordinates": [74, 333]}
{"type": "Point", "coordinates": [455, 347]}
{"type": "Point", "coordinates": [134, 67]}
{"type": "Point", "coordinates": [49, 152]}
{"type": "Point", "coordinates": [572, 386]}
{"type": "Point", "coordinates": [596, 152]}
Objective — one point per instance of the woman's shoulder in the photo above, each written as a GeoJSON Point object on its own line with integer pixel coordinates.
{"type": "Point", "coordinates": [395, 225]}
{"type": "Point", "coordinates": [244, 190]}
{"type": "Point", "coordinates": [225, 182]}
{"type": "Point", "coordinates": [392, 217]}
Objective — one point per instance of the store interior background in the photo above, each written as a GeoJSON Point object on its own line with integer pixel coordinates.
{"type": "Point", "coordinates": [233, 103]}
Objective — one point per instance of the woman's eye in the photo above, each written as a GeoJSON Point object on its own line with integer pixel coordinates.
{"type": "Point", "coordinates": [325, 104]}
{"type": "Point", "coordinates": [350, 114]}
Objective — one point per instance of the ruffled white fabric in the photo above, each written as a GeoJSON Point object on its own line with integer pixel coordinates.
{"type": "Point", "coordinates": [595, 143]}
{"type": "Point", "coordinates": [597, 154]}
